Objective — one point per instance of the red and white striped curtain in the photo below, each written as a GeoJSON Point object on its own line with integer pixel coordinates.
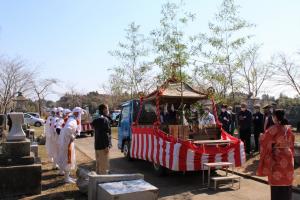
{"type": "Point", "coordinates": [152, 144]}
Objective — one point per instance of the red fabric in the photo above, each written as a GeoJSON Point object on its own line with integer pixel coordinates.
{"type": "Point", "coordinates": [69, 153]}
{"type": "Point", "coordinates": [233, 152]}
{"type": "Point", "coordinates": [277, 156]}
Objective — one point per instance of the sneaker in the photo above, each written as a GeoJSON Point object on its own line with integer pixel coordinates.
{"type": "Point", "coordinates": [70, 180]}
{"type": "Point", "coordinates": [61, 173]}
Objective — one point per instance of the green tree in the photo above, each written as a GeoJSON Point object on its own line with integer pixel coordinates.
{"type": "Point", "coordinates": [132, 72]}
{"type": "Point", "coordinates": [170, 43]}
{"type": "Point", "coordinates": [221, 49]}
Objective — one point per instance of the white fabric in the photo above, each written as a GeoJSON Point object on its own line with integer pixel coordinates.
{"type": "Point", "coordinates": [60, 109]}
{"type": "Point", "coordinates": [48, 134]}
{"type": "Point", "coordinates": [59, 122]}
{"type": "Point", "coordinates": [54, 138]}
{"type": "Point", "coordinates": [78, 118]}
{"type": "Point", "coordinates": [66, 137]}
{"type": "Point", "coordinates": [66, 112]}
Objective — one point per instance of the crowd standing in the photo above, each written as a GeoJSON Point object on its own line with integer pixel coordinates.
{"type": "Point", "coordinates": [61, 128]}
{"type": "Point", "coordinates": [274, 139]}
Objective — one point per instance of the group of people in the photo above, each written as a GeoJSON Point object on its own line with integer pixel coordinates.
{"type": "Point", "coordinates": [276, 141]}
{"type": "Point", "coordinates": [247, 123]}
{"type": "Point", "coordinates": [61, 128]}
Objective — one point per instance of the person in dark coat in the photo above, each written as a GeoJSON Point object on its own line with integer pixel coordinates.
{"type": "Point", "coordinates": [232, 120]}
{"type": "Point", "coordinates": [268, 121]}
{"type": "Point", "coordinates": [245, 122]}
{"type": "Point", "coordinates": [225, 118]}
{"type": "Point", "coordinates": [258, 125]}
{"type": "Point", "coordinates": [102, 140]}
{"type": "Point", "coordinates": [9, 123]}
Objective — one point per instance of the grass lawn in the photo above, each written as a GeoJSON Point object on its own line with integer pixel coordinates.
{"type": "Point", "coordinates": [53, 186]}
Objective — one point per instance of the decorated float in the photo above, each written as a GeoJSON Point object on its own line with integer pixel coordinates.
{"type": "Point", "coordinates": [164, 130]}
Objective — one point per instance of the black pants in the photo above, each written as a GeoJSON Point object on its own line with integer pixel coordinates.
{"type": "Point", "coordinates": [256, 140]}
{"type": "Point", "coordinates": [245, 136]}
{"type": "Point", "coordinates": [281, 192]}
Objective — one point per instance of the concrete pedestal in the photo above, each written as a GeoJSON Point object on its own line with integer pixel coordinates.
{"type": "Point", "coordinates": [127, 190]}
{"type": "Point", "coordinates": [16, 149]}
{"type": "Point", "coordinates": [20, 180]}
{"type": "Point", "coordinates": [95, 180]}
{"type": "Point", "coordinates": [19, 175]}
{"type": "Point", "coordinates": [16, 132]}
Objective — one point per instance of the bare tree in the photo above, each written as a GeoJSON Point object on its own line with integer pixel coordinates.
{"type": "Point", "coordinates": [115, 90]}
{"type": "Point", "coordinates": [15, 77]}
{"type": "Point", "coordinates": [288, 72]}
{"type": "Point", "coordinates": [253, 73]}
{"type": "Point", "coordinates": [42, 89]}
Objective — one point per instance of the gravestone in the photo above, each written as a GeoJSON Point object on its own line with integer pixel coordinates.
{"type": "Point", "coordinates": [19, 174]}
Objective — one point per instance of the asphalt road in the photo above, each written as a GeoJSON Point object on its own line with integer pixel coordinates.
{"type": "Point", "coordinates": [178, 185]}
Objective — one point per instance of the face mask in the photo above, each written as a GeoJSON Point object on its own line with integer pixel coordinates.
{"type": "Point", "coordinates": [271, 110]}
{"type": "Point", "coordinates": [223, 109]}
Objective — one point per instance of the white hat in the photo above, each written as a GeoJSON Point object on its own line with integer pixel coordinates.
{"type": "Point", "coordinates": [66, 111]}
{"type": "Point", "coordinates": [54, 110]}
{"type": "Point", "coordinates": [60, 109]}
{"type": "Point", "coordinates": [78, 109]}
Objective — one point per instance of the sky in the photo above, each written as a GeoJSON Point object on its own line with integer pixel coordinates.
{"type": "Point", "coordinates": [70, 39]}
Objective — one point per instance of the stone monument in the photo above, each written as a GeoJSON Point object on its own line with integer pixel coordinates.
{"type": "Point", "coordinates": [19, 174]}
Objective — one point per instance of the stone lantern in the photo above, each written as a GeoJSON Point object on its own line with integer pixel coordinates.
{"type": "Point", "coordinates": [20, 103]}
{"type": "Point", "coordinates": [19, 173]}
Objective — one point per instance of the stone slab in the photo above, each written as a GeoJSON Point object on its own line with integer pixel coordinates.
{"type": "Point", "coordinates": [26, 160]}
{"type": "Point", "coordinates": [16, 148]}
{"type": "Point", "coordinates": [20, 180]}
{"type": "Point", "coordinates": [94, 180]}
{"type": "Point", "coordinates": [127, 190]}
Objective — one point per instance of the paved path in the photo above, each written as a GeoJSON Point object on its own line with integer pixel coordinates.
{"type": "Point", "coordinates": [178, 185]}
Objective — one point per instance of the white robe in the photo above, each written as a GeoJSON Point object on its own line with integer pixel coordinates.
{"type": "Point", "coordinates": [48, 134]}
{"type": "Point", "coordinates": [66, 137]}
{"type": "Point", "coordinates": [54, 139]}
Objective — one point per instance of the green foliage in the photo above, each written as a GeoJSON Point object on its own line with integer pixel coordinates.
{"type": "Point", "coordinates": [132, 73]}
{"type": "Point", "coordinates": [171, 45]}
{"type": "Point", "coordinates": [221, 48]}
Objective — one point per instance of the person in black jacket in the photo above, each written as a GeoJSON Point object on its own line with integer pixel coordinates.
{"type": "Point", "coordinates": [225, 118]}
{"type": "Point", "coordinates": [245, 122]}
{"type": "Point", "coordinates": [232, 120]}
{"type": "Point", "coordinates": [268, 121]}
{"type": "Point", "coordinates": [258, 125]}
{"type": "Point", "coordinates": [102, 140]}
